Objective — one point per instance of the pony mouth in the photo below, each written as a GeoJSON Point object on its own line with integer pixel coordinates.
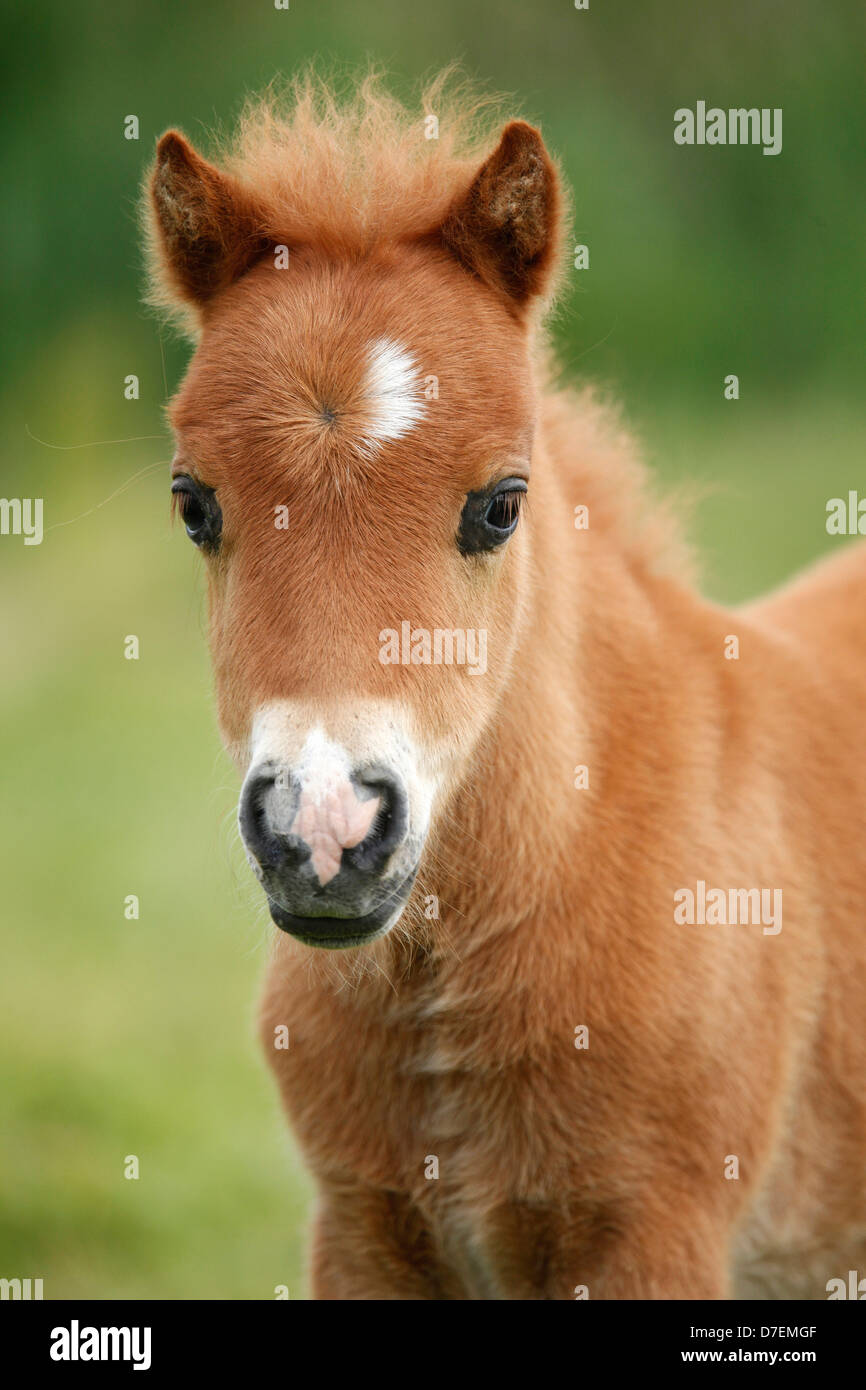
{"type": "Point", "coordinates": [343, 933]}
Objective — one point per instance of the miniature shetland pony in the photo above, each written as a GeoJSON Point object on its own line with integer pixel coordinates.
{"type": "Point", "coordinates": [567, 862]}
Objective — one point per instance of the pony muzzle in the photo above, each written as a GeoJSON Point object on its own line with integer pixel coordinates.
{"type": "Point", "coordinates": [329, 844]}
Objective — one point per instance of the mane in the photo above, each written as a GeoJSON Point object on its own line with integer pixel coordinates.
{"type": "Point", "coordinates": [583, 428]}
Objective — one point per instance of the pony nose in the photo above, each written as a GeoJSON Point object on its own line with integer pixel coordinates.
{"type": "Point", "coordinates": [325, 831]}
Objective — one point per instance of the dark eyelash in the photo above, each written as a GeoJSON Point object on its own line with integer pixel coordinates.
{"type": "Point", "coordinates": [503, 510]}
{"type": "Point", "coordinates": [180, 504]}
{"type": "Point", "coordinates": [197, 507]}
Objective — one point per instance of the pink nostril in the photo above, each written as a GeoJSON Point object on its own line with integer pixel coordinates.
{"type": "Point", "coordinates": [333, 822]}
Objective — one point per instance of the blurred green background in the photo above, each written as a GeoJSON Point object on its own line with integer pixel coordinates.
{"type": "Point", "coordinates": [137, 1037]}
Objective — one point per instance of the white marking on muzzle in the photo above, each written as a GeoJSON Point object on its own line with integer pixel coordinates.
{"type": "Point", "coordinates": [319, 751]}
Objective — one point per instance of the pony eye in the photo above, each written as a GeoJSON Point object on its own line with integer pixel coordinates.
{"type": "Point", "coordinates": [199, 511]}
{"type": "Point", "coordinates": [489, 518]}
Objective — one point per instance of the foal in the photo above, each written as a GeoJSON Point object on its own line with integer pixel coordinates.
{"type": "Point", "coordinates": [596, 1023]}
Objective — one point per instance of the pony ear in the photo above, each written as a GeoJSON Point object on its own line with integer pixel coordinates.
{"type": "Point", "coordinates": [205, 224]}
{"type": "Point", "coordinates": [505, 229]}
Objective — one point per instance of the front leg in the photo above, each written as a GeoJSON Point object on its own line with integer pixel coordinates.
{"type": "Point", "coordinates": [369, 1243]}
{"type": "Point", "coordinates": [668, 1251]}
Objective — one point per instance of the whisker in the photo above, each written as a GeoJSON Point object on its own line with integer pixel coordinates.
{"type": "Point", "coordinates": [160, 463]}
{"type": "Point", "coordinates": [93, 443]}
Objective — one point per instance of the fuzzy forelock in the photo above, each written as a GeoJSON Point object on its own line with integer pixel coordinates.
{"type": "Point", "coordinates": [347, 166]}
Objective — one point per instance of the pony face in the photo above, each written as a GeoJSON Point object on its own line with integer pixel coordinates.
{"type": "Point", "coordinates": [354, 442]}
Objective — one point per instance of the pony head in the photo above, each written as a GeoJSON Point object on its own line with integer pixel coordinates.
{"type": "Point", "coordinates": [353, 447]}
